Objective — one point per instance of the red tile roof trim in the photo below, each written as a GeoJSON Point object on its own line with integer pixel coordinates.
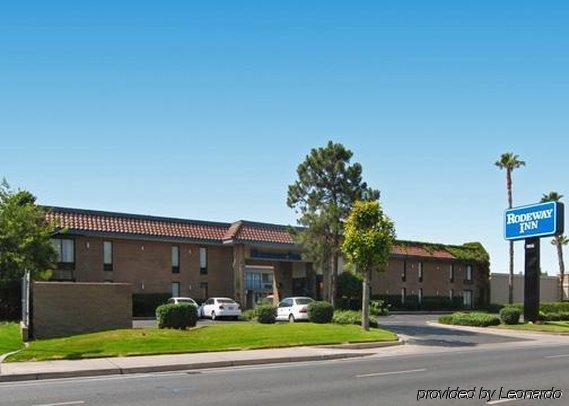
{"type": "Point", "coordinates": [90, 221]}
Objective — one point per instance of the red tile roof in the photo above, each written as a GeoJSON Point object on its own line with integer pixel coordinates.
{"type": "Point", "coordinates": [260, 232]}
{"type": "Point", "coordinates": [76, 220]}
{"type": "Point", "coordinates": [103, 222]}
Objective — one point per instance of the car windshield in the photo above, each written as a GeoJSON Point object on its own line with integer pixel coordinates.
{"type": "Point", "coordinates": [226, 301]}
{"type": "Point", "coordinates": [304, 301]}
{"type": "Point", "coordinates": [185, 301]}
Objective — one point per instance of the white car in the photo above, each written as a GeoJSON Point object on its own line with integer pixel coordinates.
{"type": "Point", "coordinates": [217, 307]}
{"type": "Point", "coordinates": [178, 300]}
{"type": "Point", "coordinates": [293, 309]}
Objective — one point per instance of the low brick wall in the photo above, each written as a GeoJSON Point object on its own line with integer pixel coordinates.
{"type": "Point", "coordinates": [62, 309]}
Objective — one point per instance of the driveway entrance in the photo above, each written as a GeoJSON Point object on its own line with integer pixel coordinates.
{"type": "Point", "coordinates": [416, 330]}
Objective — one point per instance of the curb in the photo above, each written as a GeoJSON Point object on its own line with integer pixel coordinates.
{"type": "Point", "coordinates": [365, 346]}
{"type": "Point", "coordinates": [499, 331]}
{"type": "Point", "coordinates": [178, 367]}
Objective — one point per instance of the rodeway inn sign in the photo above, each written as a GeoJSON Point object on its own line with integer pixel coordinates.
{"type": "Point", "coordinates": [536, 220]}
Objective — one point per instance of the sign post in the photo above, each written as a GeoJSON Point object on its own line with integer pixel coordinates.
{"type": "Point", "coordinates": [530, 223]}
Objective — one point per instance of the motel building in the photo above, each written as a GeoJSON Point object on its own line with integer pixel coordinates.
{"type": "Point", "coordinates": [244, 260]}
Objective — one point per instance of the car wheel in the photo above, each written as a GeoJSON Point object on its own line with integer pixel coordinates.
{"type": "Point", "coordinates": [213, 316]}
{"type": "Point", "coordinates": [291, 318]}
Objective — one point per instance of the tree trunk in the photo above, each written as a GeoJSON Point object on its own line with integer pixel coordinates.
{"type": "Point", "coordinates": [365, 300]}
{"type": "Point", "coordinates": [511, 276]}
{"type": "Point", "coordinates": [334, 279]}
{"type": "Point", "coordinates": [561, 267]}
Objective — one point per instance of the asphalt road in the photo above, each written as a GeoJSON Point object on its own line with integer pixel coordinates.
{"type": "Point", "coordinates": [377, 380]}
{"type": "Point", "coordinates": [417, 331]}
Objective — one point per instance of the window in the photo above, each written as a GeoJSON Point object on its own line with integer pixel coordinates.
{"type": "Point", "coordinates": [421, 271]}
{"type": "Point", "coordinates": [204, 288]}
{"type": "Point", "coordinates": [107, 255]}
{"type": "Point", "coordinates": [469, 273]}
{"type": "Point", "coordinates": [203, 261]}
{"type": "Point", "coordinates": [467, 299]}
{"type": "Point", "coordinates": [403, 295]}
{"type": "Point", "coordinates": [65, 249]}
{"type": "Point", "coordinates": [175, 259]}
{"type": "Point", "coordinates": [420, 295]}
{"type": "Point", "coordinates": [451, 294]}
{"type": "Point", "coordinates": [286, 303]}
{"type": "Point", "coordinates": [404, 272]}
{"type": "Point", "coordinates": [175, 289]}
{"type": "Point", "coordinates": [451, 274]}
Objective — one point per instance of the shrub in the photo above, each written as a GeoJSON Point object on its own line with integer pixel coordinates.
{"type": "Point", "coordinates": [555, 307]}
{"type": "Point", "coordinates": [249, 315]}
{"type": "Point", "coordinates": [178, 316]}
{"type": "Point", "coordinates": [510, 315]}
{"type": "Point", "coordinates": [378, 308]}
{"type": "Point", "coordinates": [475, 319]}
{"type": "Point", "coordinates": [145, 304]}
{"type": "Point", "coordinates": [320, 312]}
{"type": "Point", "coordinates": [493, 308]}
{"type": "Point", "coordinates": [351, 317]}
{"type": "Point", "coordinates": [554, 316]}
{"type": "Point", "coordinates": [265, 313]}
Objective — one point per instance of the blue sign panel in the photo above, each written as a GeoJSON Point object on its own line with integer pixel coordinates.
{"type": "Point", "coordinates": [535, 220]}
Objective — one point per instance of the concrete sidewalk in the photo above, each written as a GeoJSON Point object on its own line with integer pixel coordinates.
{"type": "Point", "coordinates": [20, 371]}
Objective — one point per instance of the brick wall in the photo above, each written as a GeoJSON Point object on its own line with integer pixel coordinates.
{"type": "Point", "coordinates": [436, 278]}
{"type": "Point", "coordinates": [147, 266]}
{"type": "Point", "coordinates": [65, 308]}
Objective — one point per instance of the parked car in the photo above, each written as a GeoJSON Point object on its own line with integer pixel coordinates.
{"type": "Point", "coordinates": [217, 307]}
{"type": "Point", "coordinates": [293, 309]}
{"type": "Point", "coordinates": [178, 300]}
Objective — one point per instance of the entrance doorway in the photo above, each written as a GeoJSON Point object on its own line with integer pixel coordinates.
{"type": "Point", "coordinates": [258, 283]}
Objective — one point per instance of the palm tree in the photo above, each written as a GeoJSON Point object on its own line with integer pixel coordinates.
{"type": "Point", "coordinates": [509, 162]}
{"type": "Point", "coordinates": [559, 241]}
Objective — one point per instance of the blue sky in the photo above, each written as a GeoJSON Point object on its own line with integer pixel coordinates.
{"type": "Point", "coordinates": [204, 109]}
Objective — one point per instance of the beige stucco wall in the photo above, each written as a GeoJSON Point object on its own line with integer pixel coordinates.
{"type": "Point", "coordinates": [62, 309]}
{"type": "Point", "coordinates": [548, 288]}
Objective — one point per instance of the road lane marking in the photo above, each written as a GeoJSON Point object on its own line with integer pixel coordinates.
{"type": "Point", "coordinates": [557, 356]}
{"type": "Point", "coordinates": [183, 372]}
{"type": "Point", "coordinates": [409, 371]}
{"type": "Point", "coordinates": [495, 402]}
{"type": "Point", "coordinates": [76, 402]}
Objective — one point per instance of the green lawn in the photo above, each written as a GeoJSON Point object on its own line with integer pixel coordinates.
{"type": "Point", "coordinates": [548, 327]}
{"type": "Point", "coordinates": [238, 336]}
{"type": "Point", "coordinates": [10, 337]}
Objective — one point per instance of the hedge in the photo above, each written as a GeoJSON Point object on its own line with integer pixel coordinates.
{"type": "Point", "coordinates": [10, 300]}
{"type": "Point", "coordinates": [476, 319]}
{"type": "Point", "coordinates": [428, 303]}
{"type": "Point", "coordinates": [351, 317]}
{"type": "Point", "coordinates": [320, 312]}
{"type": "Point", "coordinates": [510, 315]}
{"type": "Point", "coordinates": [145, 304]}
{"type": "Point", "coordinates": [178, 316]}
{"type": "Point", "coordinates": [554, 316]}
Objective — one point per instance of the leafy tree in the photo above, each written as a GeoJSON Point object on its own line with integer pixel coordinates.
{"type": "Point", "coordinates": [369, 237]}
{"type": "Point", "coordinates": [559, 241]}
{"type": "Point", "coordinates": [509, 161]}
{"type": "Point", "coordinates": [326, 188]}
{"type": "Point", "coordinates": [25, 236]}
